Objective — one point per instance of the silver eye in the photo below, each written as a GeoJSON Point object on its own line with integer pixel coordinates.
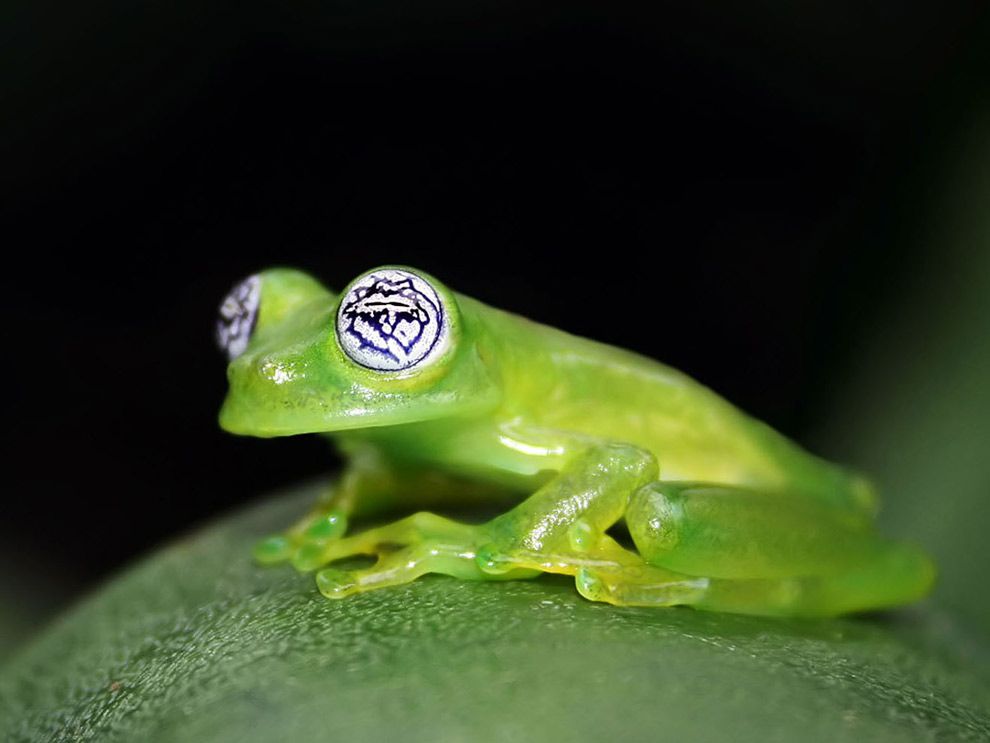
{"type": "Point", "coordinates": [238, 315]}
{"type": "Point", "coordinates": [391, 320]}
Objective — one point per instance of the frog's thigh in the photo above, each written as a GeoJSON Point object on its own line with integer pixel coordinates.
{"type": "Point", "coordinates": [728, 532]}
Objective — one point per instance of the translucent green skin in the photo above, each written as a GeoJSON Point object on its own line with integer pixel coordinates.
{"type": "Point", "coordinates": [724, 512]}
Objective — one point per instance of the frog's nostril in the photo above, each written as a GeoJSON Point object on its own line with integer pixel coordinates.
{"type": "Point", "coordinates": [278, 371]}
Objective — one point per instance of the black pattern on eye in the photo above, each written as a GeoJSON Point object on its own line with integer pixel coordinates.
{"type": "Point", "coordinates": [390, 320]}
{"type": "Point", "coordinates": [238, 316]}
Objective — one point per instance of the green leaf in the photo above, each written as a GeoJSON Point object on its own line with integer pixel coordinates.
{"type": "Point", "coordinates": [196, 643]}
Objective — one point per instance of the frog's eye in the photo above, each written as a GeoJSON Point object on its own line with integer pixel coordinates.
{"type": "Point", "coordinates": [392, 319]}
{"type": "Point", "coordinates": [238, 315]}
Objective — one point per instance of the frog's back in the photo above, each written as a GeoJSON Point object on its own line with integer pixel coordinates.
{"type": "Point", "coordinates": [565, 382]}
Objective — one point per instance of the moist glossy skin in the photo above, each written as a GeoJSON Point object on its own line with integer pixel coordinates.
{"type": "Point", "coordinates": [437, 398]}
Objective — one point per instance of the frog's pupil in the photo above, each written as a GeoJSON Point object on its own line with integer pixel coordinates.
{"type": "Point", "coordinates": [238, 316]}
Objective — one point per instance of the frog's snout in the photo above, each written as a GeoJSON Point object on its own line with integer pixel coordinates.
{"type": "Point", "coordinates": [265, 396]}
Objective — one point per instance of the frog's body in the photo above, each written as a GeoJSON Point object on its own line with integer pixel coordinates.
{"type": "Point", "coordinates": [438, 397]}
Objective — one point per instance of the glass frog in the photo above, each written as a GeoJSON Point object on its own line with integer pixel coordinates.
{"type": "Point", "coordinates": [436, 399]}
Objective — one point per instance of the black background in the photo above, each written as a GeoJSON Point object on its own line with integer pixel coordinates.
{"type": "Point", "coordinates": [733, 182]}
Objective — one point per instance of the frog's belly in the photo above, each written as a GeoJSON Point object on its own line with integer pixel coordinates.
{"type": "Point", "coordinates": [521, 456]}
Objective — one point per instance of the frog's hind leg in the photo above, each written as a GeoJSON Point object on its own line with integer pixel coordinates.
{"type": "Point", "coordinates": [761, 553]}
{"type": "Point", "coordinates": [898, 574]}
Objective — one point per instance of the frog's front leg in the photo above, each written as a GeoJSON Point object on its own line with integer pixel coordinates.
{"type": "Point", "coordinates": [366, 484]}
{"type": "Point", "coordinates": [369, 485]}
{"type": "Point", "coordinates": [559, 529]}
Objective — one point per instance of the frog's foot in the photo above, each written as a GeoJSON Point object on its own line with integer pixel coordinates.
{"type": "Point", "coordinates": [884, 581]}
{"type": "Point", "coordinates": [411, 547]}
{"type": "Point", "coordinates": [312, 532]}
{"type": "Point", "coordinates": [644, 585]}
{"type": "Point", "coordinates": [602, 569]}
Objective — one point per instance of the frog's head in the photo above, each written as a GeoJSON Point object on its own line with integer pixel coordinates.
{"type": "Point", "coordinates": [392, 348]}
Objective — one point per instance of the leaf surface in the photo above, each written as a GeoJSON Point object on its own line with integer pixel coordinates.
{"type": "Point", "coordinates": [196, 643]}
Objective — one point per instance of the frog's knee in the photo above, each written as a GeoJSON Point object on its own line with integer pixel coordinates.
{"type": "Point", "coordinates": [639, 464]}
{"type": "Point", "coordinates": [654, 516]}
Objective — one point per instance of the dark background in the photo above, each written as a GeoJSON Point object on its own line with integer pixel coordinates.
{"type": "Point", "coordinates": [766, 173]}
